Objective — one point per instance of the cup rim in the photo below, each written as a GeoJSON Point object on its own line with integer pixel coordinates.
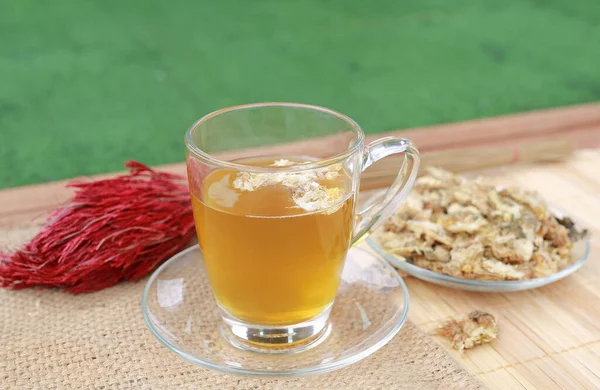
{"type": "Point", "coordinates": [208, 158]}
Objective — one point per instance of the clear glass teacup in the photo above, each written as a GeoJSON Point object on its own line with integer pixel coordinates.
{"type": "Point", "coordinates": [274, 190]}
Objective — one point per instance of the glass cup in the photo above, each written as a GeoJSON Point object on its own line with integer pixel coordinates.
{"type": "Point", "coordinates": [274, 190]}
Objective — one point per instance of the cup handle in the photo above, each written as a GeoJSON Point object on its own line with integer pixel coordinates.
{"type": "Point", "coordinates": [374, 215]}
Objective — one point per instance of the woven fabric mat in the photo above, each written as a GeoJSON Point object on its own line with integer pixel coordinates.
{"type": "Point", "coordinates": [50, 339]}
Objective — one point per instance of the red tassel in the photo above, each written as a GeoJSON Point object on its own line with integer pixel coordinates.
{"type": "Point", "coordinates": [114, 229]}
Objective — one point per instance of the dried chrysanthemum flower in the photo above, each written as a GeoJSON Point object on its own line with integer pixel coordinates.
{"type": "Point", "coordinates": [468, 331]}
{"type": "Point", "coordinates": [472, 229]}
{"type": "Point", "coordinates": [306, 187]}
{"type": "Point", "coordinates": [283, 163]}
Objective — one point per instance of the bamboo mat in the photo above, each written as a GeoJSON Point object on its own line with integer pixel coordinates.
{"type": "Point", "coordinates": [549, 337]}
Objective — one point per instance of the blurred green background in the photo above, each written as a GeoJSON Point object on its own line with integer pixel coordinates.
{"type": "Point", "coordinates": [87, 85]}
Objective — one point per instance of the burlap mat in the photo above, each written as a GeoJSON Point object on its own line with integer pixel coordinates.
{"type": "Point", "coordinates": [51, 339]}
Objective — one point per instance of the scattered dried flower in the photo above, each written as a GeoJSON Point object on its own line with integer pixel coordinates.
{"type": "Point", "coordinates": [468, 331]}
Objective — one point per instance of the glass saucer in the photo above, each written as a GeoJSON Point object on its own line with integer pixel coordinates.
{"type": "Point", "coordinates": [581, 250]}
{"type": "Point", "coordinates": [180, 310]}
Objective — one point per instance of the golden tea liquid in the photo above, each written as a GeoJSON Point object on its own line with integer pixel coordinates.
{"type": "Point", "coordinates": [274, 245]}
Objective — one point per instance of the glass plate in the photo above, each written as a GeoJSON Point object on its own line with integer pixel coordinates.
{"type": "Point", "coordinates": [370, 308]}
{"type": "Point", "coordinates": [581, 251]}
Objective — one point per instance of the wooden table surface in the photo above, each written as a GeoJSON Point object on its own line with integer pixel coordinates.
{"type": "Point", "coordinates": [549, 337]}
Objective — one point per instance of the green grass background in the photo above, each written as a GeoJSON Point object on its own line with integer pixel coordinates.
{"type": "Point", "coordinates": [87, 85]}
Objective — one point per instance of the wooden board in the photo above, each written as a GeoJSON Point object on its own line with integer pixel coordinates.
{"type": "Point", "coordinates": [550, 337]}
{"type": "Point", "coordinates": [580, 123]}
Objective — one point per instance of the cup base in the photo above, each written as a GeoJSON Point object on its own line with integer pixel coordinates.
{"type": "Point", "coordinates": [276, 340]}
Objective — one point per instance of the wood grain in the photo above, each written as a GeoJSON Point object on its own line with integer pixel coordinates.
{"type": "Point", "coordinates": [581, 124]}
{"type": "Point", "coordinates": [383, 172]}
